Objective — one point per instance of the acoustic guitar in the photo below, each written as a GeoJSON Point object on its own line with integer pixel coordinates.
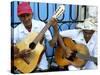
{"type": "Point", "coordinates": [33, 41]}
{"type": "Point", "coordinates": [79, 54]}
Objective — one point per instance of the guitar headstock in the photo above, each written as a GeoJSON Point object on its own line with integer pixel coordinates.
{"type": "Point", "coordinates": [59, 11]}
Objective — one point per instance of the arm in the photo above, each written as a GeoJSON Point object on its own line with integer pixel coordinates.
{"type": "Point", "coordinates": [15, 39]}
{"type": "Point", "coordinates": [55, 37]}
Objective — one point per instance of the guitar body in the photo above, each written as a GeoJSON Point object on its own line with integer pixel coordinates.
{"type": "Point", "coordinates": [80, 48]}
{"type": "Point", "coordinates": [34, 56]}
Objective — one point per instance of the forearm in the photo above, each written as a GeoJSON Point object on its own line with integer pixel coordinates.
{"type": "Point", "coordinates": [61, 42]}
{"type": "Point", "coordinates": [55, 36]}
{"type": "Point", "coordinates": [53, 41]}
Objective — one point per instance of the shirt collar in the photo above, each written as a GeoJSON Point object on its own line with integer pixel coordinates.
{"type": "Point", "coordinates": [23, 29]}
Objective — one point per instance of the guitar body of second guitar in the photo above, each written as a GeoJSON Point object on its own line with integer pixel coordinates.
{"type": "Point", "coordinates": [76, 61]}
{"type": "Point", "coordinates": [34, 56]}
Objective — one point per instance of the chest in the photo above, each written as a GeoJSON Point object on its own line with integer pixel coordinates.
{"type": "Point", "coordinates": [24, 33]}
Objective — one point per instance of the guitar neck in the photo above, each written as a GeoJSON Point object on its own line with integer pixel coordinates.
{"type": "Point", "coordinates": [41, 34]}
{"type": "Point", "coordinates": [38, 38]}
{"type": "Point", "coordinates": [90, 58]}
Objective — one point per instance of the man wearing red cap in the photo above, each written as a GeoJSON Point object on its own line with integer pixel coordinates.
{"type": "Point", "coordinates": [28, 24]}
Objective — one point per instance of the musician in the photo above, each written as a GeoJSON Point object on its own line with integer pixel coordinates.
{"type": "Point", "coordinates": [28, 25]}
{"type": "Point", "coordinates": [86, 33]}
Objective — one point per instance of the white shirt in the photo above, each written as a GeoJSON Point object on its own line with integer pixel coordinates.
{"type": "Point", "coordinates": [20, 32]}
{"type": "Point", "coordinates": [77, 35]}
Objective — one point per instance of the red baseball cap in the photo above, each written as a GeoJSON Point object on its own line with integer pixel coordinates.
{"type": "Point", "coordinates": [23, 8]}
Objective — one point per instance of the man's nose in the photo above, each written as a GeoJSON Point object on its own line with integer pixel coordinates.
{"type": "Point", "coordinates": [26, 18]}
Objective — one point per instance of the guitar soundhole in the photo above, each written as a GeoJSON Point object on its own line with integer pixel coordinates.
{"type": "Point", "coordinates": [32, 45]}
{"type": "Point", "coordinates": [73, 55]}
